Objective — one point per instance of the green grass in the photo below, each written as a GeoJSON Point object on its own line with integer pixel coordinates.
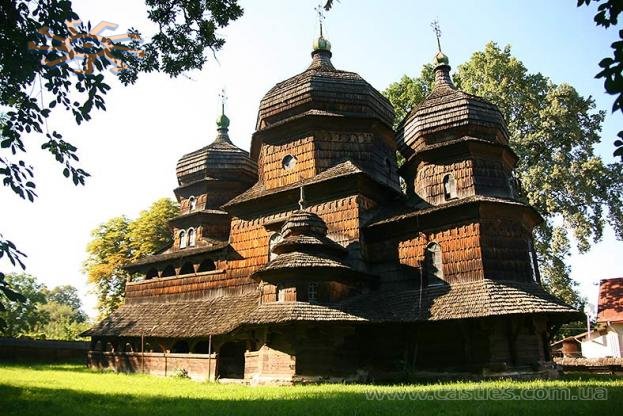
{"type": "Point", "coordinates": [71, 389]}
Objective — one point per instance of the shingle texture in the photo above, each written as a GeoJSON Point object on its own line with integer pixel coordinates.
{"type": "Point", "coordinates": [447, 108]}
{"type": "Point", "coordinates": [464, 300]}
{"type": "Point", "coordinates": [486, 298]}
{"type": "Point", "coordinates": [177, 319]}
{"type": "Point", "coordinates": [318, 255]}
{"type": "Point", "coordinates": [220, 159]}
{"type": "Point", "coordinates": [322, 88]}
{"type": "Point", "coordinates": [171, 255]}
{"type": "Point", "coordinates": [259, 190]}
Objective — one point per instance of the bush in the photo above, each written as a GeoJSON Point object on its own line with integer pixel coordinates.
{"type": "Point", "coordinates": [181, 373]}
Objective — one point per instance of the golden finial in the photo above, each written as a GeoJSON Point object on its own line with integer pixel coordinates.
{"type": "Point", "coordinates": [440, 57]}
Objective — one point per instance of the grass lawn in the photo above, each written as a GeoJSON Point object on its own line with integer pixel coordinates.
{"type": "Point", "coordinates": [71, 389]}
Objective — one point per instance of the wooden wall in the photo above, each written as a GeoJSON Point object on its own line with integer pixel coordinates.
{"type": "Point", "coordinates": [249, 237]}
{"type": "Point", "coordinates": [200, 367]}
{"type": "Point", "coordinates": [505, 249]}
{"type": "Point", "coordinates": [428, 182]}
{"type": "Point", "coordinates": [270, 168]}
{"type": "Point", "coordinates": [202, 285]}
{"type": "Point", "coordinates": [322, 150]}
{"type": "Point", "coordinates": [460, 248]}
{"type": "Point", "coordinates": [473, 176]}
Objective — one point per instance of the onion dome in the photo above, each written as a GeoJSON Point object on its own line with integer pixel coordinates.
{"type": "Point", "coordinates": [305, 252]}
{"type": "Point", "coordinates": [448, 113]}
{"type": "Point", "coordinates": [219, 160]}
{"type": "Point", "coordinates": [321, 44]}
{"type": "Point", "coordinates": [321, 90]}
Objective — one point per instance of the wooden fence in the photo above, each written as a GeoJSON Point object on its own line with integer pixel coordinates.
{"type": "Point", "coordinates": [23, 349]}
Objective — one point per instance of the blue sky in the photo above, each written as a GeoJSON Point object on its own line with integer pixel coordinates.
{"type": "Point", "coordinates": [131, 149]}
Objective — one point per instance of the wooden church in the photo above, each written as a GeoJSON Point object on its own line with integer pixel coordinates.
{"type": "Point", "coordinates": [306, 259]}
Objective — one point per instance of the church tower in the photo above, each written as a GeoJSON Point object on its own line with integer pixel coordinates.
{"type": "Point", "coordinates": [457, 153]}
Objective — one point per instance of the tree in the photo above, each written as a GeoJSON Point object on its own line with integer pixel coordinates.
{"type": "Point", "coordinates": [31, 89]}
{"type": "Point", "coordinates": [612, 67]}
{"type": "Point", "coordinates": [67, 295]}
{"type": "Point", "coordinates": [150, 231]}
{"type": "Point", "coordinates": [43, 313]}
{"type": "Point", "coordinates": [108, 251]}
{"type": "Point", "coordinates": [59, 322]}
{"type": "Point", "coordinates": [118, 242]}
{"type": "Point", "coordinates": [23, 317]}
{"type": "Point", "coordinates": [553, 130]}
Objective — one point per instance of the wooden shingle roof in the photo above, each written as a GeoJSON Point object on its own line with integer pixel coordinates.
{"type": "Point", "coordinates": [306, 251]}
{"type": "Point", "coordinates": [321, 89]}
{"type": "Point", "coordinates": [177, 319]}
{"type": "Point", "coordinates": [198, 318]}
{"type": "Point", "coordinates": [479, 299]}
{"type": "Point", "coordinates": [341, 170]}
{"type": "Point", "coordinates": [220, 159]}
{"type": "Point", "coordinates": [447, 108]}
{"type": "Point", "coordinates": [173, 255]}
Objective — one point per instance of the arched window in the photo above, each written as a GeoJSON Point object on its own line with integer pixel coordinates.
{"type": "Point", "coordinates": [433, 264]}
{"type": "Point", "coordinates": [187, 268]}
{"type": "Point", "coordinates": [182, 239]}
{"type": "Point", "coordinates": [312, 292]}
{"type": "Point", "coordinates": [449, 186]}
{"type": "Point", "coordinates": [192, 237]}
{"type": "Point", "coordinates": [272, 241]}
{"type": "Point", "coordinates": [192, 204]}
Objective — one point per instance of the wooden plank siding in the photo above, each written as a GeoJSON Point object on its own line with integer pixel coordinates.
{"type": "Point", "coordinates": [460, 248]}
{"type": "Point", "coordinates": [249, 238]}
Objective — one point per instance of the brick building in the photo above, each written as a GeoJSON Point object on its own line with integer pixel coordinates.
{"type": "Point", "coordinates": [305, 259]}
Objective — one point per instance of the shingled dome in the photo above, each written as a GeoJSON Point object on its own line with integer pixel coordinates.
{"type": "Point", "coordinates": [221, 159]}
{"type": "Point", "coordinates": [306, 251]}
{"type": "Point", "coordinates": [448, 113]}
{"type": "Point", "coordinates": [322, 89]}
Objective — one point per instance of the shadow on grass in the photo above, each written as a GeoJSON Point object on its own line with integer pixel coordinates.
{"type": "Point", "coordinates": [59, 402]}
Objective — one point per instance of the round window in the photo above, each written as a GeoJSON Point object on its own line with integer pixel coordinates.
{"type": "Point", "coordinates": [288, 162]}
